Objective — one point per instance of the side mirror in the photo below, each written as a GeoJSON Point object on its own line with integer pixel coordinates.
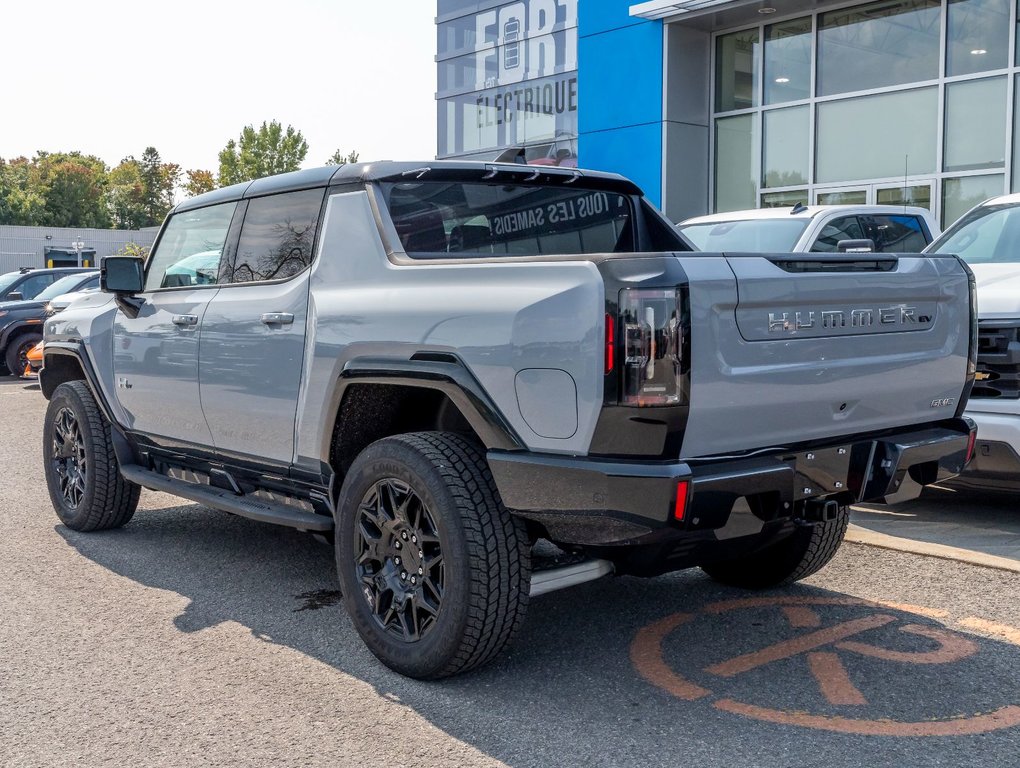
{"type": "Point", "coordinates": [15, 296]}
{"type": "Point", "coordinates": [122, 275]}
{"type": "Point", "coordinates": [856, 246]}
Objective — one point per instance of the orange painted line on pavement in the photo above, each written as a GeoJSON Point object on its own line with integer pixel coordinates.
{"type": "Point", "coordinates": [920, 610]}
{"type": "Point", "coordinates": [801, 616]}
{"type": "Point", "coordinates": [646, 656]}
{"type": "Point", "coordinates": [952, 647]}
{"type": "Point", "coordinates": [723, 606]}
{"type": "Point", "coordinates": [1002, 631]}
{"type": "Point", "coordinates": [833, 680]}
{"type": "Point", "coordinates": [1005, 717]}
{"type": "Point", "coordinates": [796, 645]}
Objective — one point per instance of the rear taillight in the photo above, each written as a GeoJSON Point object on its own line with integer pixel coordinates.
{"type": "Point", "coordinates": [610, 343]}
{"type": "Point", "coordinates": [651, 322]}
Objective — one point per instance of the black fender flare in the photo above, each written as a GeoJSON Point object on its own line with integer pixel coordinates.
{"type": "Point", "coordinates": [438, 371]}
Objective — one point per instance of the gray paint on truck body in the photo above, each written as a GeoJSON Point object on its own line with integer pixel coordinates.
{"type": "Point", "coordinates": [756, 394]}
{"type": "Point", "coordinates": [499, 318]}
{"type": "Point", "coordinates": [504, 317]}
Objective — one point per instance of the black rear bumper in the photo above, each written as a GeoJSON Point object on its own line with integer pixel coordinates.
{"type": "Point", "coordinates": [597, 502]}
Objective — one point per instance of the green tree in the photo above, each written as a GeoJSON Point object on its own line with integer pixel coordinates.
{"type": "Point", "coordinates": [159, 184]}
{"type": "Point", "coordinates": [263, 152]}
{"type": "Point", "coordinates": [20, 188]}
{"type": "Point", "coordinates": [199, 181]}
{"type": "Point", "coordinates": [339, 158]}
{"type": "Point", "coordinates": [73, 186]}
{"type": "Point", "coordinates": [126, 195]}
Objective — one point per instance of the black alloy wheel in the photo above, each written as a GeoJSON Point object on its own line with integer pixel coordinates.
{"type": "Point", "coordinates": [17, 353]}
{"type": "Point", "coordinates": [68, 456]}
{"type": "Point", "coordinates": [400, 563]}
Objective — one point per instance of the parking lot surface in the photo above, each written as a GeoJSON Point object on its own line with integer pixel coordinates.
{"type": "Point", "coordinates": [192, 637]}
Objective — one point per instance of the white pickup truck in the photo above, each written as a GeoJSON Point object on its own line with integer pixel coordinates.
{"type": "Point", "coordinates": [813, 228]}
{"type": "Point", "coordinates": [988, 238]}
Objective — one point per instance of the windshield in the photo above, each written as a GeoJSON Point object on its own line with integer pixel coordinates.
{"type": "Point", "coordinates": [754, 235]}
{"type": "Point", "coordinates": [6, 281]}
{"type": "Point", "coordinates": [989, 234]}
{"type": "Point", "coordinates": [63, 285]}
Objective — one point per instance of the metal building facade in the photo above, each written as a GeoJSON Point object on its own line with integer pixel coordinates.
{"type": "Point", "coordinates": [27, 246]}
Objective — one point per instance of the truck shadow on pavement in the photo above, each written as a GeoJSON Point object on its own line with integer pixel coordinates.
{"type": "Point", "coordinates": [675, 670]}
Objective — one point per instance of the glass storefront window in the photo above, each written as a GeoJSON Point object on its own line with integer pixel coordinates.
{"type": "Point", "coordinates": [962, 194]}
{"type": "Point", "coordinates": [784, 199]}
{"type": "Point", "coordinates": [734, 163]}
{"type": "Point", "coordinates": [843, 197]}
{"type": "Point", "coordinates": [975, 132]}
{"type": "Point", "coordinates": [916, 194]}
{"type": "Point", "coordinates": [1016, 135]}
{"type": "Point", "coordinates": [785, 148]}
{"type": "Point", "coordinates": [788, 61]}
{"type": "Point", "coordinates": [877, 45]}
{"type": "Point", "coordinates": [736, 71]}
{"type": "Point", "coordinates": [977, 38]}
{"type": "Point", "coordinates": [888, 135]}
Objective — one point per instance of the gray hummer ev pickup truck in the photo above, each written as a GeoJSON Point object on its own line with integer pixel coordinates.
{"type": "Point", "coordinates": [439, 365]}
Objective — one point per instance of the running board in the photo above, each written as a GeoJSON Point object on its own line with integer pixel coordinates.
{"type": "Point", "coordinates": [227, 501]}
{"type": "Point", "coordinates": [568, 576]}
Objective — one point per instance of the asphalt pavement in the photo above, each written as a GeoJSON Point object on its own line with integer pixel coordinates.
{"type": "Point", "coordinates": [192, 637]}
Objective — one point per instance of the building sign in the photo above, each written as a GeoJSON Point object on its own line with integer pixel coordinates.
{"type": "Point", "coordinates": [508, 78]}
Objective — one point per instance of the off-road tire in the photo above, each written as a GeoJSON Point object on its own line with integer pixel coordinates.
{"type": "Point", "coordinates": [485, 553]}
{"type": "Point", "coordinates": [17, 348]}
{"type": "Point", "coordinates": [107, 500]}
{"type": "Point", "coordinates": [805, 551]}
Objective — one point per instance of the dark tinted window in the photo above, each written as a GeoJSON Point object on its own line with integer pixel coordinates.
{"type": "Point", "coordinates": [895, 234]}
{"type": "Point", "coordinates": [34, 285]}
{"type": "Point", "coordinates": [277, 237]}
{"type": "Point", "coordinates": [436, 219]}
{"type": "Point", "coordinates": [843, 228]}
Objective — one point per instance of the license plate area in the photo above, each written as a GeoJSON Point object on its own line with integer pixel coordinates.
{"type": "Point", "coordinates": [821, 472]}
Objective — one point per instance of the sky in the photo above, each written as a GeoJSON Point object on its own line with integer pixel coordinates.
{"type": "Point", "coordinates": [110, 78]}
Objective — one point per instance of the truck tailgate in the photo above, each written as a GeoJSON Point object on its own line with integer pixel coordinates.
{"type": "Point", "coordinates": [793, 348]}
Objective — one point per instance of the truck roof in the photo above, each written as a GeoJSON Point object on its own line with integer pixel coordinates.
{"type": "Point", "coordinates": [804, 212]}
{"type": "Point", "coordinates": [389, 170]}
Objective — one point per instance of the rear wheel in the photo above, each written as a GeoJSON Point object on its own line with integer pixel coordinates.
{"type": "Point", "coordinates": [796, 557]}
{"type": "Point", "coordinates": [82, 474]}
{"type": "Point", "coordinates": [435, 572]}
{"type": "Point", "coordinates": [16, 357]}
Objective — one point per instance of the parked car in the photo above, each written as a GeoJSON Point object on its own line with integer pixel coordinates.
{"type": "Point", "coordinates": [34, 358]}
{"type": "Point", "coordinates": [988, 238]}
{"type": "Point", "coordinates": [473, 357]}
{"type": "Point", "coordinates": [813, 228]}
{"type": "Point", "coordinates": [28, 282]}
{"type": "Point", "coordinates": [64, 300]}
{"type": "Point", "coordinates": [21, 322]}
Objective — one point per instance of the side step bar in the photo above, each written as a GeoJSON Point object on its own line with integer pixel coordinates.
{"type": "Point", "coordinates": [226, 501]}
{"type": "Point", "coordinates": [565, 576]}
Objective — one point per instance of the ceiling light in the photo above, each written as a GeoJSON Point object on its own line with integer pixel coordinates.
{"type": "Point", "coordinates": [978, 52]}
{"type": "Point", "coordinates": [766, 10]}
{"type": "Point", "coordinates": [782, 79]}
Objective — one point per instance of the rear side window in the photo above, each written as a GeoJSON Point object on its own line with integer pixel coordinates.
{"type": "Point", "coordinates": [895, 234]}
{"type": "Point", "coordinates": [34, 285]}
{"type": "Point", "coordinates": [188, 252]}
{"type": "Point", "coordinates": [277, 237]}
{"type": "Point", "coordinates": [437, 219]}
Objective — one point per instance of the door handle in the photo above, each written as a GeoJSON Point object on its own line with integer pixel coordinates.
{"type": "Point", "coordinates": [277, 318]}
{"type": "Point", "coordinates": [185, 320]}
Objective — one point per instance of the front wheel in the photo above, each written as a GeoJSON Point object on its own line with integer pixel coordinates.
{"type": "Point", "coordinates": [17, 352]}
{"type": "Point", "coordinates": [796, 557]}
{"type": "Point", "coordinates": [435, 572]}
{"type": "Point", "coordinates": [82, 474]}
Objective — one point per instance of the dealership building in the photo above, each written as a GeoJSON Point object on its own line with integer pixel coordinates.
{"type": "Point", "coordinates": [712, 105]}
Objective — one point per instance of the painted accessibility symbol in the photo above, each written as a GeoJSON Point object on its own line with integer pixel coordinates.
{"type": "Point", "coordinates": [822, 648]}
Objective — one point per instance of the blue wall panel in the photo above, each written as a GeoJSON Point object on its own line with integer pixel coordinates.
{"type": "Point", "coordinates": [634, 151]}
{"type": "Point", "coordinates": [620, 93]}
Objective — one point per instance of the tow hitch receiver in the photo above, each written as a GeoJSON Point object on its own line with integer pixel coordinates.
{"type": "Point", "coordinates": [821, 510]}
